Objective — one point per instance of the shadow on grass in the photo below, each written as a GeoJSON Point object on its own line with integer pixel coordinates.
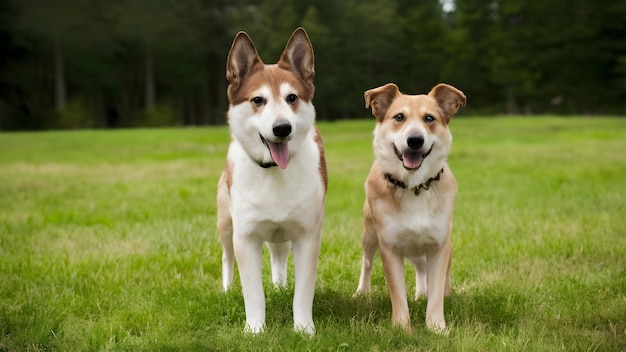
{"type": "Point", "coordinates": [494, 309]}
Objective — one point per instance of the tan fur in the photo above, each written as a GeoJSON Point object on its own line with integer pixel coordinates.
{"type": "Point", "coordinates": [396, 220]}
{"type": "Point", "coordinates": [322, 160]}
{"type": "Point", "coordinates": [247, 71]}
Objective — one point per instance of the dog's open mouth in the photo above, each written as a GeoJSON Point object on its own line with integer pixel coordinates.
{"type": "Point", "coordinates": [412, 159]}
{"type": "Point", "coordinates": [279, 152]}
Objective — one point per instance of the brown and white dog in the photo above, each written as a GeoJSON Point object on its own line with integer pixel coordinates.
{"type": "Point", "coordinates": [273, 188]}
{"type": "Point", "coordinates": [410, 193]}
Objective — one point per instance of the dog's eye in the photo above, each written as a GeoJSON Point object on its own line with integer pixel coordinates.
{"type": "Point", "coordinates": [399, 117]}
{"type": "Point", "coordinates": [429, 118]}
{"type": "Point", "coordinates": [258, 101]}
{"type": "Point", "coordinates": [291, 98]}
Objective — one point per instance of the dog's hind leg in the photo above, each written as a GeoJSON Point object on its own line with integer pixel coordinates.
{"type": "Point", "coordinates": [421, 287]}
{"type": "Point", "coordinates": [228, 257]}
{"type": "Point", "coordinates": [369, 241]}
{"type": "Point", "coordinates": [448, 288]}
{"type": "Point", "coordinates": [225, 229]}
{"type": "Point", "coordinates": [279, 253]}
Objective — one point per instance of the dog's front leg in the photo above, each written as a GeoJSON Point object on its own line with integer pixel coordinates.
{"type": "Point", "coordinates": [305, 255]}
{"type": "Point", "coordinates": [438, 264]}
{"type": "Point", "coordinates": [393, 265]}
{"type": "Point", "coordinates": [248, 253]}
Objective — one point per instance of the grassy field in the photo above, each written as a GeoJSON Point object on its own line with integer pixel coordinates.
{"type": "Point", "coordinates": [108, 242]}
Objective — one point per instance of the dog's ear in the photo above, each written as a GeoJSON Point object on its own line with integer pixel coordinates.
{"type": "Point", "coordinates": [379, 99]}
{"type": "Point", "coordinates": [298, 56]}
{"type": "Point", "coordinates": [243, 60]}
{"type": "Point", "coordinates": [449, 99]}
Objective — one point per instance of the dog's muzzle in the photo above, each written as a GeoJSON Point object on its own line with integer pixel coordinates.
{"type": "Point", "coordinates": [281, 130]}
{"type": "Point", "coordinates": [279, 151]}
{"type": "Point", "coordinates": [412, 159]}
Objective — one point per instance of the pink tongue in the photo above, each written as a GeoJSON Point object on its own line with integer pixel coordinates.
{"type": "Point", "coordinates": [412, 160]}
{"type": "Point", "coordinates": [280, 153]}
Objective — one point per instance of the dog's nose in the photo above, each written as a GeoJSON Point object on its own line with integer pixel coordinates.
{"type": "Point", "coordinates": [415, 142]}
{"type": "Point", "coordinates": [281, 129]}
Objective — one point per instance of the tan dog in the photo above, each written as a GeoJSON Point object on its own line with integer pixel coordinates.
{"type": "Point", "coordinates": [410, 194]}
{"type": "Point", "coordinates": [273, 188]}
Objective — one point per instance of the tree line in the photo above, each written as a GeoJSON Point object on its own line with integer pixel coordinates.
{"type": "Point", "coordinates": [124, 63]}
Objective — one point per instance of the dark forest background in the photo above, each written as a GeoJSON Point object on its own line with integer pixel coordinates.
{"type": "Point", "coordinates": [124, 63]}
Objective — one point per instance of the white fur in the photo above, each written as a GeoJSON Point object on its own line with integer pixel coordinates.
{"type": "Point", "coordinates": [284, 208]}
{"type": "Point", "coordinates": [250, 125]}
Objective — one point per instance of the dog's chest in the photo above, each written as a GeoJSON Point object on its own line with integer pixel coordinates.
{"type": "Point", "coordinates": [418, 222]}
{"type": "Point", "coordinates": [277, 205]}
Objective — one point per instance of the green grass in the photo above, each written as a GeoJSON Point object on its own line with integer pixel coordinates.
{"type": "Point", "coordinates": [108, 242]}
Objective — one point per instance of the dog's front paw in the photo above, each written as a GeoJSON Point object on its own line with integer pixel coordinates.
{"type": "Point", "coordinates": [405, 325]}
{"type": "Point", "coordinates": [438, 327]}
{"type": "Point", "coordinates": [306, 329]}
{"type": "Point", "coordinates": [254, 328]}
{"type": "Point", "coordinates": [361, 290]}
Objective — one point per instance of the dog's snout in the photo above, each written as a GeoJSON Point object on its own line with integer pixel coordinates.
{"type": "Point", "coordinates": [415, 142]}
{"type": "Point", "coordinates": [282, 129]}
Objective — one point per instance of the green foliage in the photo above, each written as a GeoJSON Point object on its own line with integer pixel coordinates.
{"type": "Point", "coordinates": [108, 242]}
{"type": "Point", "coordinates": [118, 59]}
{"type": "Point", "coordinates": [74, 116]}
{"type": "Point", "coordinates": [162, 115]}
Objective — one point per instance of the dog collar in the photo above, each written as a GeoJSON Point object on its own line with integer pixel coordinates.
{"type": "Point", "coordinates": [267, 165]}
{"type": "Point", "coordinates": [417, 189]}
